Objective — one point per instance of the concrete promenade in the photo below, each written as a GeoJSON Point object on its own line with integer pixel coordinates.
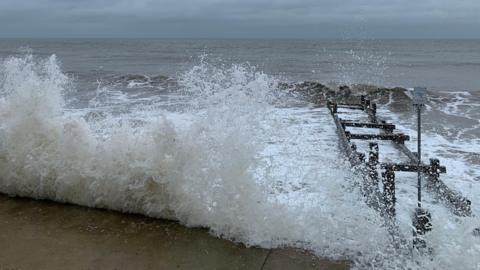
{"type": "Point", "coordinates": [47, 235]}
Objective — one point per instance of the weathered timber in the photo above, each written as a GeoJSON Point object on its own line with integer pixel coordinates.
{"type": "Point", "coordinates": [354, 157]}
{"type": "Point", "coordinates": [373, 196]}
{"type": "Point", "coordinates": [370, 188]}
{"type": "Point", "coordinates": [384, 126]}
{"type": "Point", "coordinates": [408, 167]}
{"type": "Point", "coordinates": [389, 192]}
{"type": "Point", "coordinates": [373, 156]}
{"type": "Point", "coordinates": [350, 106]}
{"type": "Point", "coordinates": [399, 138]}
{"type": "Point", "coordinates": [422, 223]}
{"type": "Point", "coordinates": [457, 203]}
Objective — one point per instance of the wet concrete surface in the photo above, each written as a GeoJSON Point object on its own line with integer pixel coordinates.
{"type": "Point", "coordinates": [46, 235]}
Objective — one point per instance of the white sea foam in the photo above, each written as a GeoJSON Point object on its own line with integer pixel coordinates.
{"type": "Point", "coordinates": [232, 162]}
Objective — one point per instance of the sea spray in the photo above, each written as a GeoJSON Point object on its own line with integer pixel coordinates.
{"type": "Point", "coordinates": [201, 174]}
{"type": "Point", "coordinates": [233, 161]}
{"type": "Point", "coordinates": [48, 154]}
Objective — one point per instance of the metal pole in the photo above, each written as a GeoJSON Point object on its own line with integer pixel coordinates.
{"type": "Point", "coordinates": [419, 100]}
{"type": "Point", "coordinates": [422, 218]}
{"type": "Point", "coordinates": [419, 150]}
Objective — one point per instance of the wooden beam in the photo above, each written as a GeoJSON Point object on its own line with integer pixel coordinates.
{"type": "Point", "coordinates": [399, 138]}
{"type": "Point", "coordinates": [409, 167]}
{"type": "Point", "coordinates": [346, 123]}
{"type": "Point", "coordinates": [350, 106]}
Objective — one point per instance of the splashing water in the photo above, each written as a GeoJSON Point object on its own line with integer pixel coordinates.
{"type": "Point", "coordinates": [362, 66]}
{"type": "Point", "coordinates": [237, 160]}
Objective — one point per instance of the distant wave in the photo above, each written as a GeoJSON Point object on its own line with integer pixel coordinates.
{"type": "Point", "coordinates": [139, 80]}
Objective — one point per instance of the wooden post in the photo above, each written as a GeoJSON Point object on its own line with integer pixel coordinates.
{"type": "Point", "coordinates": [366, 105]}
{"type": "Point", "coordinates": [434, 169]}
{"type": "Point", "coordinates": [389, 191]}
{"type": "Point", "coordinates": [372, 163]}
{"type": "Point", "coordinates": [348, 135]}
{"type": "Point", "coordinates": [422, 223]}
{"type": "Point", "coordinates": [361, 157]}
{"type": "Point", "coordinates": [388, 128]}
{"type": "Point", "coordinates": [354, 147]}
{"type": "Point", "coordinates": [372, 112]}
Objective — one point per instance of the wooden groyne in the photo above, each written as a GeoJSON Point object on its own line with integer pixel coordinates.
{"type": "Point", "coordinates": [378, 185]}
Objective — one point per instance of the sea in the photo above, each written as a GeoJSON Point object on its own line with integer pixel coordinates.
{"type": "Point", "coordinates": [199, 131]}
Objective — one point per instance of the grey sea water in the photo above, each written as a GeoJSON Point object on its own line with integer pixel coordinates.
{"type": "Point", "coordinates": [446, 65]}
{"type": "Point", "coordinates": [198, 131]}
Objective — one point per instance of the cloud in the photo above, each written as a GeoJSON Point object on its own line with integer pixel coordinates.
{"type": "Point", "coordinates": [218, 18]}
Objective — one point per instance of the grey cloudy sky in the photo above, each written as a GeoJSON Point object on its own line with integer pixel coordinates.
{"type": "Point", "coordinates": [240, 19]}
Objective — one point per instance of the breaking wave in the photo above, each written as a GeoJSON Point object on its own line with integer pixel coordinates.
{"type": "Point", "coordinates": [232, 161]}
